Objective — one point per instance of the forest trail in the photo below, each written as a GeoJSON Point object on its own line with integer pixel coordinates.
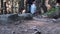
{"type": "Point", "coordinates": [28, 26]}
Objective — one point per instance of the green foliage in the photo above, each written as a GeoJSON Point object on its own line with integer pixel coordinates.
{"type": "Point", "coordinates": [51, 10]}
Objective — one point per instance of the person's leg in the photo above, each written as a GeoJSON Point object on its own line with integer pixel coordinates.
{"type": "Point", "coordinates": [29, 8]}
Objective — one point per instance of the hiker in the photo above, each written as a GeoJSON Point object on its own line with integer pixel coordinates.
{"type": "Point", "coordinates": [29, 3]}
{"type": "Point", "coordinates": [33, 8]}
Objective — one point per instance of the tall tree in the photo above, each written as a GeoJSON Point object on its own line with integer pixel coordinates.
{"type": "Point", "coordinates": [21, 5]}
{"type": "Point", "coordinates": [41, 4]}
{"type": "Point", "coordinates": [2, 6]}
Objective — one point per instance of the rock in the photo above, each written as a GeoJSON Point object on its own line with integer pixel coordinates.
{"type": "Point", "coordinates": [34, 28]}
{"type": "Point", "coordinates": [25, 16]}
{"type": "Point", "coordinates": [8, 18]}
{"type": "Point", "coordinates": [4, 19]}
{"type": "Point", "coordinates": [53, 20]}
{"type": "Point", "coordinates": [44, 16]}
{"type": "Point", "coordinates": [13, 17]}
{"type": "Point", "coordinates": [37, 32]}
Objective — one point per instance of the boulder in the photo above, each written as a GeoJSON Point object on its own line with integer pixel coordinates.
{"type": "Point", "coordinates": [25, 16]}
{"type": "Point", "coordinates": [8, 18]}
{"type": "Point", "coordinates": [13, 17]}
{"type": "Point", "coordinates": [37, 32]}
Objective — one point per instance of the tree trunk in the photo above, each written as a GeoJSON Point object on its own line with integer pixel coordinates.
{"type": "Point", "coordinates": [2, 6]}
{"type": "Point", "coordinates": [52, 3]}
{"type": "Point", "coordinates": [5, 8]}
{"type": "Point", "coordinates": [38, 5]}
{"type": "Point", "coordinates": [21, 5]}
{"type": "Point", "coordinates": [41, 4]}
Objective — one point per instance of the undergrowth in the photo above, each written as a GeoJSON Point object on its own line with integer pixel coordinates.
{"type": "Point", "coordinates": [50, 11]}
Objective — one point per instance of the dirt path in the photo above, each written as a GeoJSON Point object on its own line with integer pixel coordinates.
{"type": "Point", "coordinates": [28, 27]}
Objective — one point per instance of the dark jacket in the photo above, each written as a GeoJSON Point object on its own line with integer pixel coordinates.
{"type": "Point", "coordinates": [30, 1]}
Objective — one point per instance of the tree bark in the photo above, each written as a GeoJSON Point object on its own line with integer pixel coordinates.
{"type": "Point", "coordinates": [41, 4]}
{"type": "Point", "coordinates": [21, 5]}
{"type": "Point", "coordinates": [2, 6]}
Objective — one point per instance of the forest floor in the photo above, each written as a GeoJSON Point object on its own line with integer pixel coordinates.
{"type": "Point", "coordinates": [43, 25]}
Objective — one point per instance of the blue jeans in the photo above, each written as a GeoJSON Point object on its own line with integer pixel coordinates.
{"type": "Point", "coordinates": [29, 8]}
